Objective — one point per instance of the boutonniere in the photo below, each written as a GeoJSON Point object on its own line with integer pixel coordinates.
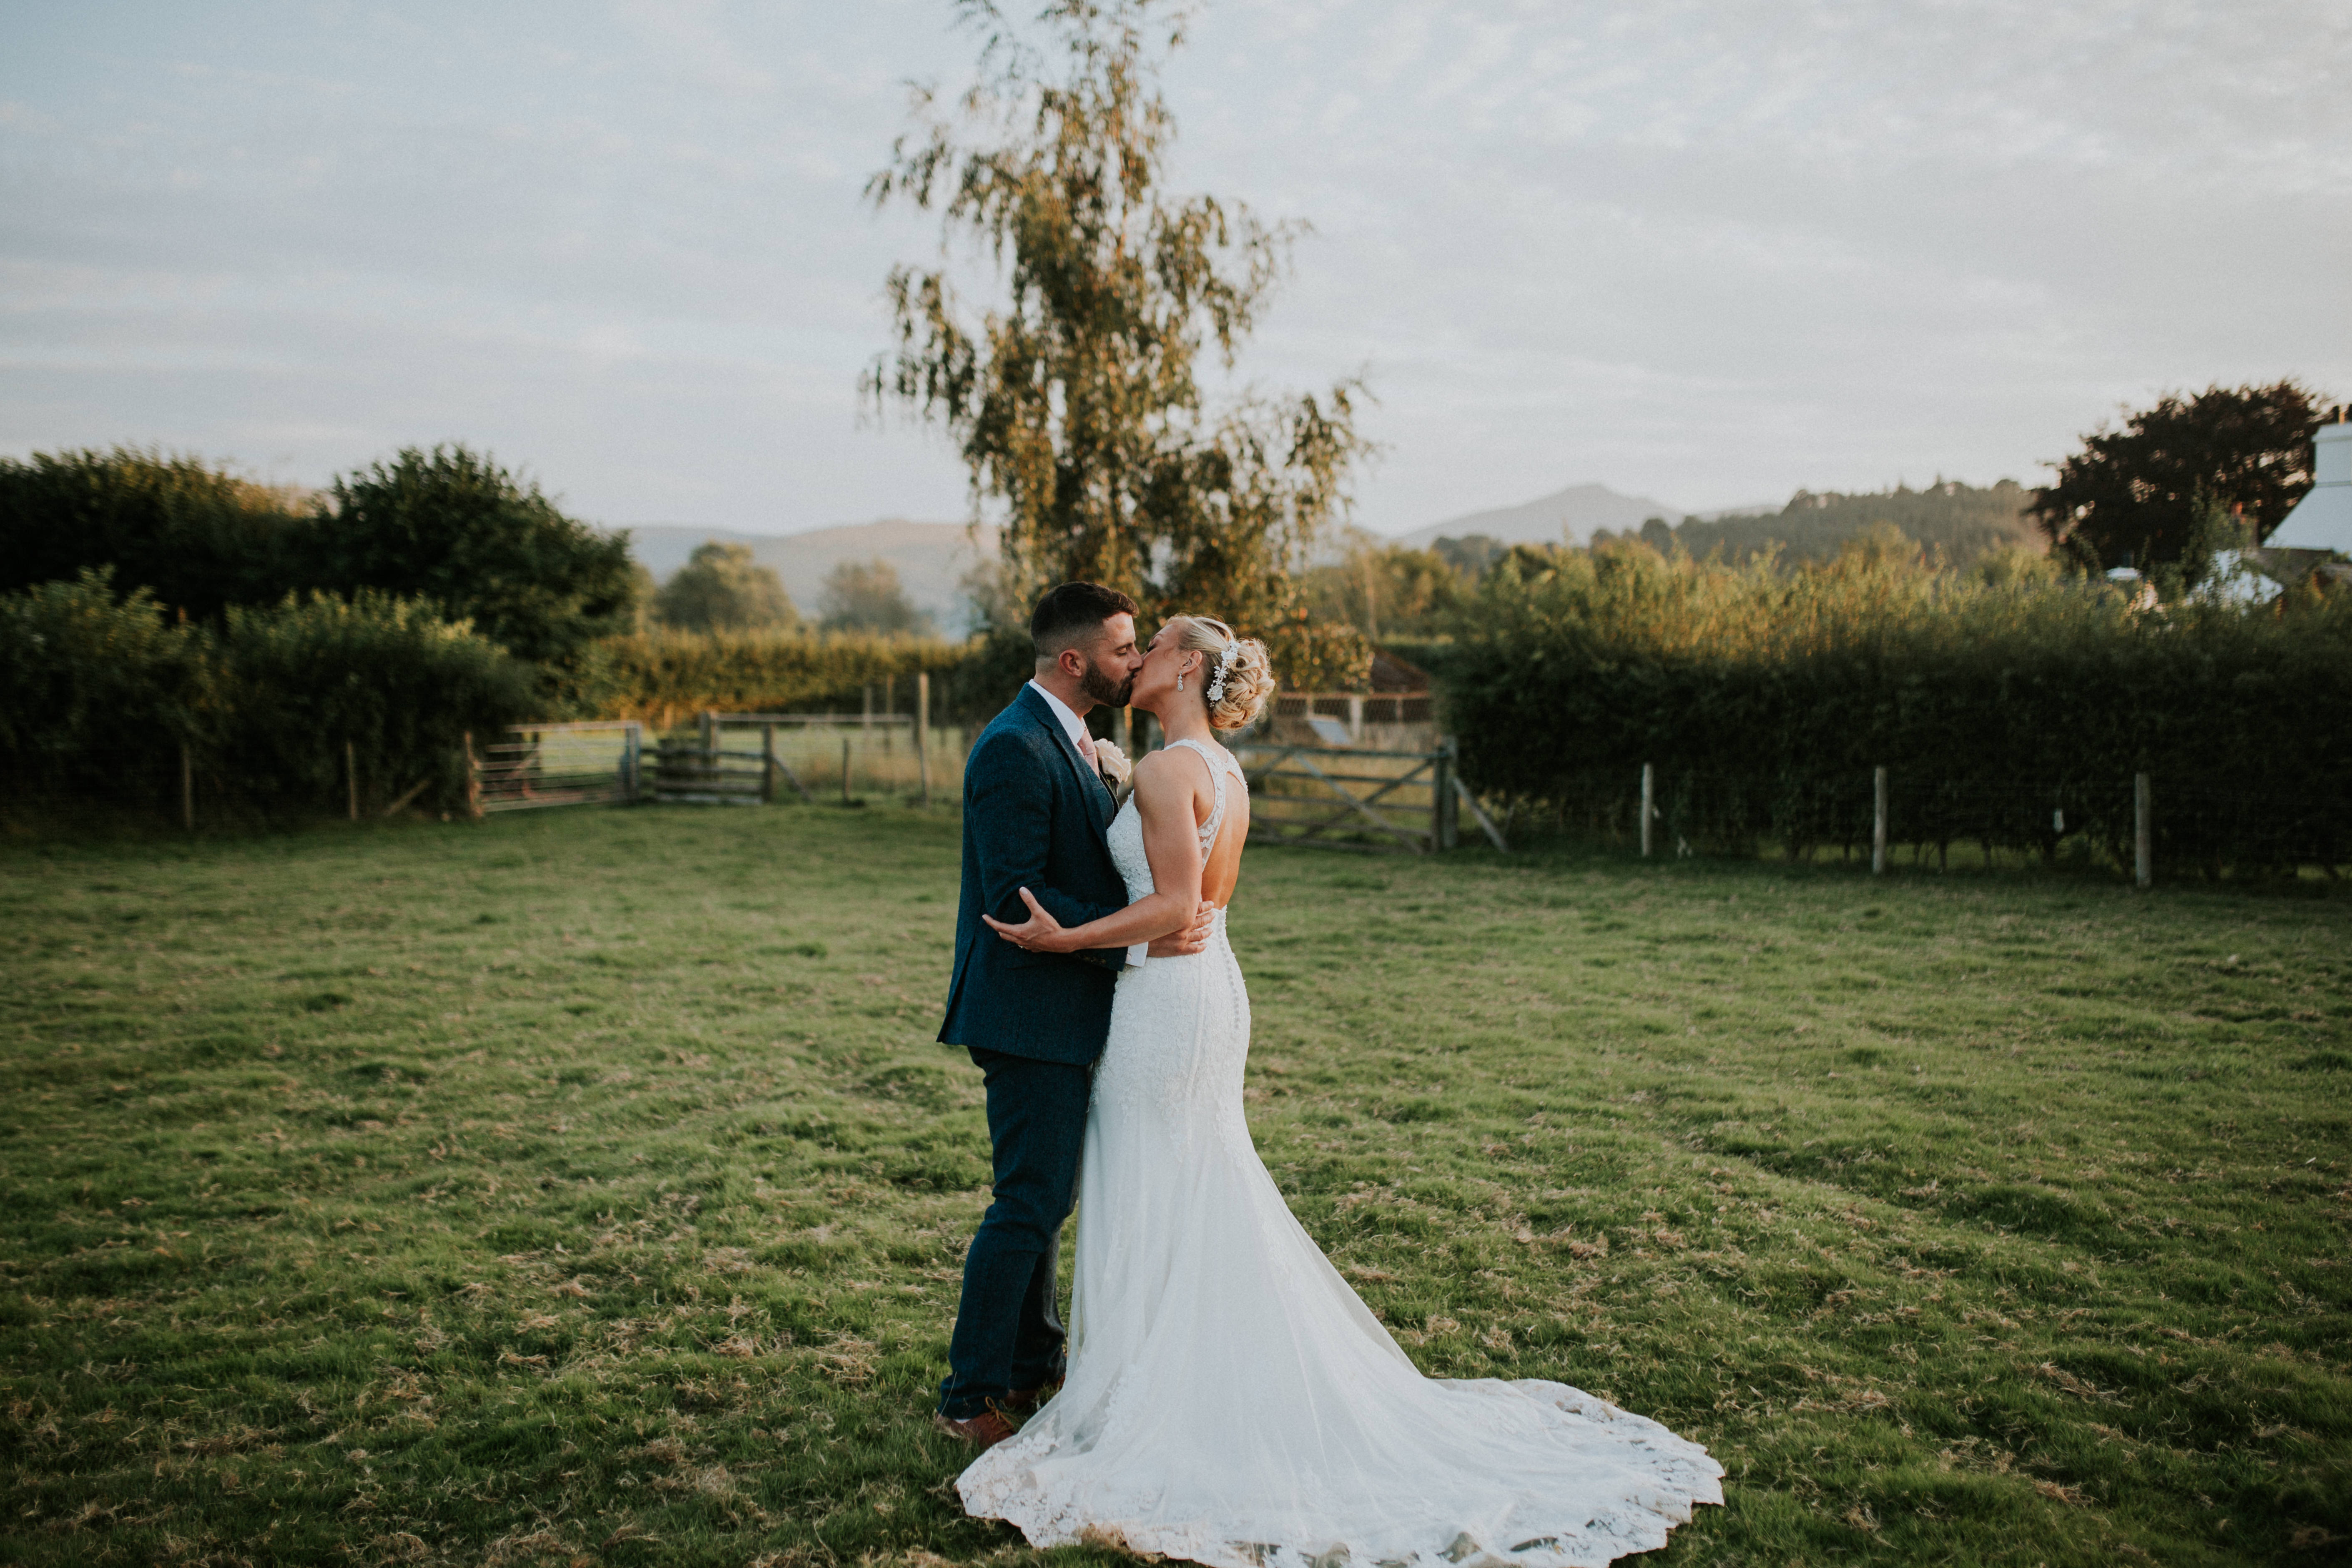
{"type": "Point", "coordinates": [1116, 769]}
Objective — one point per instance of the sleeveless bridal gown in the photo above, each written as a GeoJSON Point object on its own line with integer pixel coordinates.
{"type": "Point", "coordinates": [1230, 1400]}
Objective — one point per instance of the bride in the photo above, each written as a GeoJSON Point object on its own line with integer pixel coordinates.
{"type": "Point", "coordinates": [1228, 1399]}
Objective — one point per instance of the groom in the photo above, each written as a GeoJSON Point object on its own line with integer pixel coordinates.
{"type": "Point", "coordinates": [1035, 811]}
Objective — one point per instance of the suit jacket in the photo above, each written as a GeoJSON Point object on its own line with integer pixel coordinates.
{"type": "Point", "coordinates": [1034, 815]}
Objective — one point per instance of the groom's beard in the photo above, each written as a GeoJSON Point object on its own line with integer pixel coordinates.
{"type": "Point", "coordinates": [1104, 688]}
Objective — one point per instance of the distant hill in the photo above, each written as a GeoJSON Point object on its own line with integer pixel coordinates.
{"type": "Point", "coordinates": [1963, 521]}
{"type": "Point", "coordinates": [1564, 517]}
{"type": "Point", "coordinates": [931, 558]}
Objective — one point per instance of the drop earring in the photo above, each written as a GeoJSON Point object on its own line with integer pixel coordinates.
{"type": "Point", "coordinates": [1180, 682]}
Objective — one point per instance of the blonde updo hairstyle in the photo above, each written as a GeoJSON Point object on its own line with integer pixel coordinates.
{"type": "Point", "coordinates": [1249, 679]}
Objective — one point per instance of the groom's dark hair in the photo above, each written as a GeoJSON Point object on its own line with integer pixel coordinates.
{"type": "Point", "coordinates": [1068, 615]}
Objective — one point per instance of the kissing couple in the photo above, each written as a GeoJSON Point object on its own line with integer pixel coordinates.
{"type": "Point", "coordinates": [1222, 1396]}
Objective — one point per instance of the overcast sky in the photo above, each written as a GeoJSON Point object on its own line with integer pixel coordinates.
{"type": "Point", "coordinates": [1708, 253]}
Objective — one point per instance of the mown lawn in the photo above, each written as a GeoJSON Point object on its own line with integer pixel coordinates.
{"type": "Point", "coordinates": [585, 1187]}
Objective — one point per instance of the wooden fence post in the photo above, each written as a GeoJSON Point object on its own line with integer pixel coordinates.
{"type": "Point", "coordinates": [923, 731]}
{"type": "Point", "coordinates": [1878, 822]}
{"type": "Point", "coordinates": [710, 729]}
{"type": "Point", "coordinates": [865, 718]}
{"type": "Point", "coordinates": [188, 787]}
{"type": "Point", "coordinates": [473, 779]}
{"type": "Point", "coordinates": [1445, 814]}
{"type": "Point", "coordinates": [845, 770]}
{"type": "Point", "coordinates": [351, 780]}
{"type": "Point", "coordinates": [2143, 839]}
{"type": "Point", "coordinates": [767, 764]}
{"type": "Point", "coordinates": [632, 751]}
{"type": "Point", "coordinates": [1649, 804]}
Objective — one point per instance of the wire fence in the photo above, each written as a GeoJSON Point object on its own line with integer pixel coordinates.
{"type": "Point", "coordinates": [2184, 828]}
{"type": "Point", "coordinates": [2166, 827]}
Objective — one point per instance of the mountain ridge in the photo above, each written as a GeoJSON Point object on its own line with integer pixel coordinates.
{"type": "Point", "coordinates": [1566, 516]}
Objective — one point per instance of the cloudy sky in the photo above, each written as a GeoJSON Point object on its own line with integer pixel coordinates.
{"type": "Point", "coordinates": [1705, 252]}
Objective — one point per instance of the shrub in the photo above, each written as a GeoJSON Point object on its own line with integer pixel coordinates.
{"type": "Point", "coordinates": [96, 692]}
{"type": "Point", "coordinates": [402, 686]}
{"type": "Point", "coordinates": [98, 695]}
{"type": "Point", "coordinates": [198, 538]}
{"type": "Point", "coordinates": [1765, 703]}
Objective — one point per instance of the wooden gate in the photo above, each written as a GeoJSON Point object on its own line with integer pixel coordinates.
{"type": "Point", "coordinates": [556, 764]}
{"type": "Point", "coordinates": [1369, 801]}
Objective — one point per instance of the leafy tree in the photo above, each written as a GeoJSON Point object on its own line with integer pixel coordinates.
{"type": "Point", "coordinates": [643, 590]}
{"type": "Point", "coordinates": [451, 527]}
{"type": "Point", "coordinates": [199, 538]}
{"type": "Point", "coordinates": [721, 589]}
{"type": "Point", "coordinates": [2136, 494]}
{"type": "Point", "coordinates": [868, 598]}
{"type": "Point", "coordinates": [1469, 556]}
{"type": "Point", "coordinates": [1882, 547]}
{"type": "Point", "coordinates": [2014, 566]}
{"type": "Point", "coordinates": [1958, 521]}
{"type": "Point", "coordinates": [1074, 398]}
{"type": "Point", "coordinates": [1389, 590]}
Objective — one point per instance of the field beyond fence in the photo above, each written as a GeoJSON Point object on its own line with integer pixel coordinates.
{"type": "Point", "coordinates": [586, 1187]}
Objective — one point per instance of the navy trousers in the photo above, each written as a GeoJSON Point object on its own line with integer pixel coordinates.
{"type": "Point", "coordinates": [1007, 1332]}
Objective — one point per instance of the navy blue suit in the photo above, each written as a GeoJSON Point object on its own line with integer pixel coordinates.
{"type": "Point", "coordinates": [1034, 816]}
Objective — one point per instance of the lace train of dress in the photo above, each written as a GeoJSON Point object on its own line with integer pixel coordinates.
{"type": "Point", "coordinates": [1230, 1401]}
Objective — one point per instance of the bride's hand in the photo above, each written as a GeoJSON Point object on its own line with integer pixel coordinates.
{"type": "Point", "coordinates": [1041, 932]}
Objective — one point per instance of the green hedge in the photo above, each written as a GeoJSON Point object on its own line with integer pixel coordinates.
{"type": "Point", "coordinates": [99, 694]}
{"type": "Point", "coordinates": [665, 677]}
{"type": "Point", "coordinates": [1765, 703]}
{"type": "Point", "coordinates": [199, 537]}
{"type": "Point", "coordinates": [401, 686]}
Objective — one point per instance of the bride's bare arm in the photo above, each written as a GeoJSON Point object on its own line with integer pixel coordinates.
{"type": "Point", "coordinates": [1171, 839]}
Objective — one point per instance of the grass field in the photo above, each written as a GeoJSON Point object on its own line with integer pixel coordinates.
{"type": "Point", "coordinates": [583, 1188]}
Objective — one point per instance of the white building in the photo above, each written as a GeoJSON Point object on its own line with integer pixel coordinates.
{"type": "Point", "coordinates": [2323, 519]}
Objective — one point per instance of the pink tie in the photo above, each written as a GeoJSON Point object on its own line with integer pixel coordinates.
{"type": "Point", "coordinates": [1086, 748]}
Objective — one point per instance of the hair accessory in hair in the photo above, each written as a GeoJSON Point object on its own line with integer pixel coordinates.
{"type": "Point", "coordinates": [1225, 658]}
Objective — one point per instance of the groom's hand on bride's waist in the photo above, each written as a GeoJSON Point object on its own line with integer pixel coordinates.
{"type": "Point", "coordinates": [1190, 939]}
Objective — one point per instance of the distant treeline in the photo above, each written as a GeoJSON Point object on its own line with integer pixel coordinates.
{"type": "Point", "coordinates": [1392, 592]}
{"type": "Point", "coordinates": [1958, 521]}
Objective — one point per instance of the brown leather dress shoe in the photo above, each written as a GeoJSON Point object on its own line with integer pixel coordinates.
{"type": "Point", "coordinates": [1022, 1400]}
{"type": "Point", "coordinates": [987, 1429]}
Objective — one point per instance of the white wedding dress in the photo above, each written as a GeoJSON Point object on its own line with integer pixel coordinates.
{"type": "Point", "coordinates": [1230, 1400]}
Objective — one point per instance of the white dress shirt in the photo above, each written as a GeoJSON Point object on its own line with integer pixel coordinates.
{"type": "Point", "coordinates": [1076, 728]}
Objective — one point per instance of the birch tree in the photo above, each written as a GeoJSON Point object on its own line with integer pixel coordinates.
{"type": "Point", "coordinates": [1073, 391]}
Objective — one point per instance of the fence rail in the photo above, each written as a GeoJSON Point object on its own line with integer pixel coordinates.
{"type": "Point", "coordinates": [556, 764]}
{"type": "Point", "coordinates": [687, 774]}
{"type": "Point", "coordinates": [1360, 799]}
{"type": "Point", "coordinates": [2146, 825]}
{"type": "Point", "coordinates": [771, 761]}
